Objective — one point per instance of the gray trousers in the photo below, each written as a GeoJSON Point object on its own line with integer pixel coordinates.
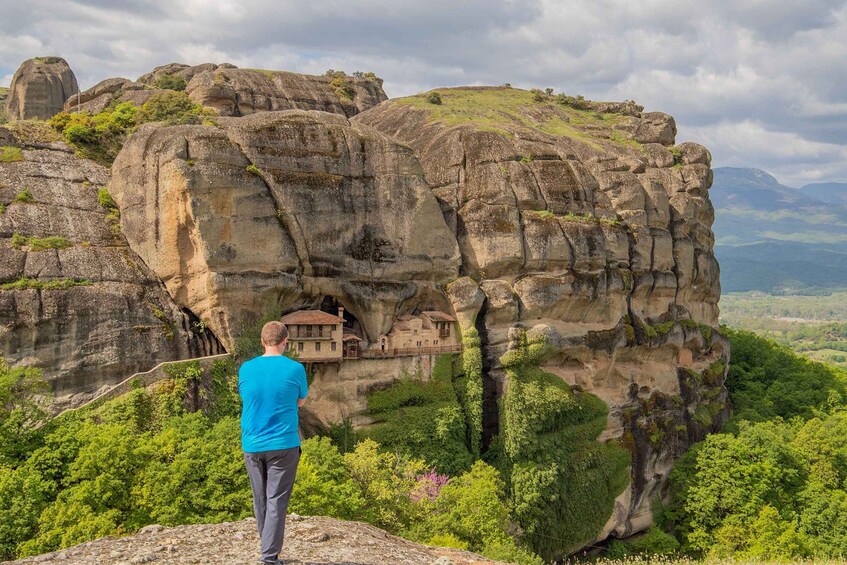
{"type": "Point", "coordinates": [271, 478]}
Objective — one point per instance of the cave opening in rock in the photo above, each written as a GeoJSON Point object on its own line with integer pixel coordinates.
{"type": "Point", "coordinates": [331, 305]}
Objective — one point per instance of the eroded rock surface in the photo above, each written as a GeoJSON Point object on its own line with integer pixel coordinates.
{"type": "Point", "coordinates": [39, 88]}
{"type": "Point", "coordinates": [280, 209]}
{"type": "Point", "coordinates": [238, 92]}
{"type": "Point", "coordinates": [114, 316]}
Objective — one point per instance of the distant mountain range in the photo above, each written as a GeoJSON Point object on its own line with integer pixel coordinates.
{"type": "Point", "coordinates": [776, 238]}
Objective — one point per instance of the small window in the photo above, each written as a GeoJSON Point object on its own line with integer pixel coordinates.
{"type": "Point", "coordinates": [317, 346]}
{"type": "Point", "coordinates": [299, 346]}
{"type": "Point", "coordinates": [332, 346]}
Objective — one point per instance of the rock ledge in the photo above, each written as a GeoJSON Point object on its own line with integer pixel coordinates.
{"type": "Point", "coordinates": [310, 540]}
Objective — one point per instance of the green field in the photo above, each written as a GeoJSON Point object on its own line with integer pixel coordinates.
{"type": "Point", "coordinates": [815, 326]}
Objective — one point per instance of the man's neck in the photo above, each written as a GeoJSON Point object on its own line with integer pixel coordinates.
{"type": "Point", "coordinates": [271, 351]}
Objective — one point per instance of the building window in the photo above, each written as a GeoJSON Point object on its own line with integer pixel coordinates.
{"type": "Point", "coordinates": [317, 346]}
{"type": "Point", "coordinates": [332, 346]}
{"type": "Point", "coordinates": [299, 346]}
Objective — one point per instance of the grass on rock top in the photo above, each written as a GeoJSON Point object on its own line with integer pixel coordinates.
{"type": "Point", "coordinates": [502, 109]}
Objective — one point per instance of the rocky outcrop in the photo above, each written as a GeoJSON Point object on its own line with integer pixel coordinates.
{"type": "Point", "coordinates": [98, 97]}
{"type": "Point", "coordinates": [308, 540]}
{"type": "Point", "coordinates": [592, 230]}
{"type": "Point", "coordinates": [239, 92]}
{"type": "Point", "coordinates": [283, 210]}
{"type": "Point", "coordinates": [75, 300]}
{"type": "Point", "coordinates": [39, 88]}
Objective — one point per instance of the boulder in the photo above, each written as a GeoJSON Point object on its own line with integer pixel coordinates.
{"type": "Point", "coordinates": [40, 88]}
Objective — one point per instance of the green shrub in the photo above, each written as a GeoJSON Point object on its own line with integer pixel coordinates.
{"type": "Point", "coordinates": [343, 87]}
{"type": "Point", "coordinates": [9, 154]}
{"type": "Point", "coordinates": [78, 133]}
{"type": "Point", "coordinates": [24, 196]}
{"type": "Point", "coordinates": [170, 82]}
{"type": "Point", "coordinates": [324, 487]}
{"type": "Point", "coordinates": [421, 419]}
{"type": "Point", "coordinates": [40, 243]}
{"type": "Point", "coordinates": [105, 199]}
{"type": "Point", "coordinates": [253, 170]}
{"type": "Point", "coordinates": [171, 107]}
{"type": "Point", "coordinates": [563, 482]}
{"type": "Point", "coordinates": [433, 98]}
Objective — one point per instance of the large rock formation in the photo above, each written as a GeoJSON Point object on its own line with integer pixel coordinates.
{"type": "Point", "coordinates": [574, 223]}
{"type": "Point", "coordinates": [39, 88]}
{"type": "Point", "coordinates": [282, 209]}
{"type": "Point", "coordinates": [591, 230]}
{"type": "Point", "coordinates": [238, 92]}
{"type": "Point", "coordinates": [75, 300]}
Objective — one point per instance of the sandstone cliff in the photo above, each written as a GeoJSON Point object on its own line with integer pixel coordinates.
{"type": "Point", "coordinates": [238, 92]}
{"type": "Point", "coordinates": [75, 300]}
{"type": "Point", "coordinates": [39, 88]}
{"type": "Point", "coordinates": [283, 209]}
{"type": "Point", "coordinates": [591, 229]}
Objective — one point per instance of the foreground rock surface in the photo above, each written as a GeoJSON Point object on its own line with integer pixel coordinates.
{"type": "Point", "coordinates": [39, 88]}
{"type": "Point", "coordinates": [308, 541]}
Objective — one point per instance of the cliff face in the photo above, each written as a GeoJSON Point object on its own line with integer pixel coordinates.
{"type": "Point", "coordinates": [283, 209]}
{"type": "Point", "coordinates": [588, 229]}
{"type": "Point", "coordinates": [75, 300]}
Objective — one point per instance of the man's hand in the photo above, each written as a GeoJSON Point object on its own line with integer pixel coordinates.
{"type": "Point", "coordinates": [301, 402]}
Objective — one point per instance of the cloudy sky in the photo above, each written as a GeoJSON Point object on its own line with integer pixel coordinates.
{"type": "Point", "coordinates": [760, 82]}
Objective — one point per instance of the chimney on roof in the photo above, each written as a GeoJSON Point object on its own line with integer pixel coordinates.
{"type": "Point", "coordinates": [341, 311]}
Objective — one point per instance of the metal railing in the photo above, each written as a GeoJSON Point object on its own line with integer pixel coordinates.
{"type": "Point", "coordinates": [408, 351]}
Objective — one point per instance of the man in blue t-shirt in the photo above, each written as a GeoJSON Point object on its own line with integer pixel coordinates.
{"type": "Point", "coordinates": [272, 388]}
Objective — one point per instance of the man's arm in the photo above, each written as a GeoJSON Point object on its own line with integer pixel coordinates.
{"type": "Point", "coordinates": [304, 388]}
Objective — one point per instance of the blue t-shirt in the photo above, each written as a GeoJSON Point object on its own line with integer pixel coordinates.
{"type": "Point", "coordinates": [269, 387]}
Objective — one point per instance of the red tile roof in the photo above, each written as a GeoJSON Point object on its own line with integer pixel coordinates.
{"type": "Point", "coordinates": [310, 317]}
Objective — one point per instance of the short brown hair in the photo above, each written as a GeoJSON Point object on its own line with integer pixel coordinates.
{"type": "Point", "coordinates": [274, 333]}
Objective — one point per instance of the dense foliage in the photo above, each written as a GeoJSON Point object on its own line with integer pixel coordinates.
{"type": "Point", "coordinates": [101, 136]}
{"type": "Point", "coordinates": [424, 418]}
{"type": "Point", "coordinates": [773, 486]}
{"type": "Point", "coordinates": [171, 455]}
{"type": "Point", "coordinates": [562, 480]}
